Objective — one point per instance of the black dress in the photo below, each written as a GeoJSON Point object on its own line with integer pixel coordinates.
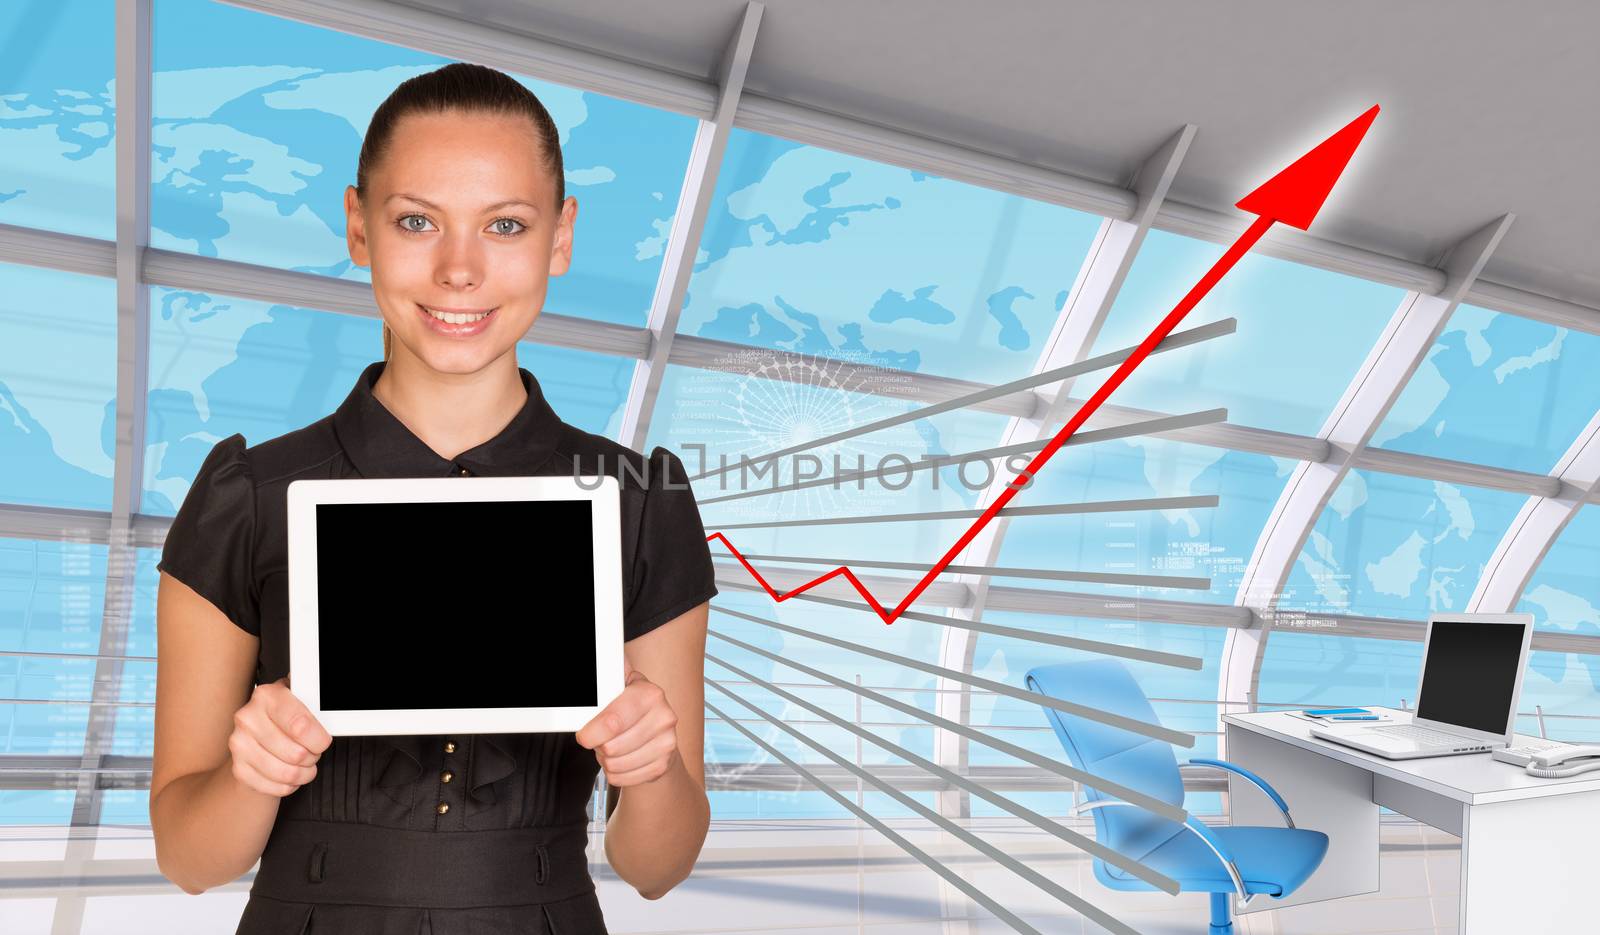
{"type": "Point", "coordinates": [427, 834]}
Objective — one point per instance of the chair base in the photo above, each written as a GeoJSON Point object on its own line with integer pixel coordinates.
{"type": "Point", "coordinates": [1221, 924]}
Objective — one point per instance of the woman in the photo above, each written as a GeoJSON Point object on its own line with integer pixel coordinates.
{"type": "Point", "coordinates": [459, 210]}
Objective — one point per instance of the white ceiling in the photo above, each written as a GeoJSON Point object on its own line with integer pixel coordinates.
{"type": "Point", "coordinates": [1489, 106]}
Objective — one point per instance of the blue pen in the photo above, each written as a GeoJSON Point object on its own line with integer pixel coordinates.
{"type": "Point", "coordinates": [1354, 717]}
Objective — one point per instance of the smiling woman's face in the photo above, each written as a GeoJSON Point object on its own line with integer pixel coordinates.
{"type": "Point", "coordinates": [461, 219]}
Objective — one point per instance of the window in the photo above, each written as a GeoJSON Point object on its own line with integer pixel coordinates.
{"type": "Point", "coordinates": [585, 389]}
{"type": "Point", "coordinates": [1394, 546]}
{"type": "Point", "coordinates": [817, 252]}
{"type": "Point", "coordinates": [220, 365]}
{"type": "Point", "coordinates": [1315, 667]}
{"type": "Point", "coordinates": [1500, 390]}
{"type": "Point", "coordinates": [1186, 543]}
{"type": "Point", "coordinates": [58, 387]}
{"type": "Point", "coordinates": [1286, 312]}
{"type": "Point", "coordinates": [52, 597]}
{"type": "Point", "coordinates": [57, 117]}
{"type": "Point", "coordinates": [134, 734]}
{"type": "Point", "coordinates": [1564, 597]}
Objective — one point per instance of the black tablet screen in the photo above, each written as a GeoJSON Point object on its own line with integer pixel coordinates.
{"type": "Point", "coordinates": [482, 604]}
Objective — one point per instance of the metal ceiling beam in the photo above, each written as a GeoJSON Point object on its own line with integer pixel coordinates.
{"type": "Point", "coordinates": [353, 297]}
{"type": "Point", "coordinates": [1538, 523]}
{"type": "Point", "coordinates": [696, 96]}
{"type": "Point", "coordinates": [133, 73]}
{"type": "Point", "coordinates": [1457, 472]}
{"type": "Point", "coordinates": [688, 222]}
{"type": "Point", "coordinates": [1401, 348]}
{"type": "Point", "coordinates": [1112, 607]}
{"type": "Point", "coordinates": [54, 524]}
{"type": "Point", "coordinates": [69, 253]}
{"type": "Point", "coordinates": [325, 293]}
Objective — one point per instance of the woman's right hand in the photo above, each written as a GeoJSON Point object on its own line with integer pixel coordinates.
{"type": "Point", "coordinates": [276, 741]}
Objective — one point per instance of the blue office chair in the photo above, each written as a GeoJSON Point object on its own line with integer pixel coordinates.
{"type": "Point", "coordinates": [1248, 861]}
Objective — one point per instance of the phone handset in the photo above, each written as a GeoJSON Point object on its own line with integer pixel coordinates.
{"type": "Point", "coordinates": [1565, 761]}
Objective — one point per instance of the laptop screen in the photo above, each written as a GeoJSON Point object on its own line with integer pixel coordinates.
{"type": "Point", "coordinates": [1469, 676]}
{"type": "Point", "coordinates": [477, 604]}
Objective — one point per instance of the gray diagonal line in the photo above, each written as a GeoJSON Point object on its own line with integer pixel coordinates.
{"type": "Point", "coordinates": [1052, 509]}
{"type": "Point", "coordinates": [80, 702]}
{"type": "Point", "coordinates": [1215, 329]}
{"type": "Point", "coordinates": [1156, 731]}
{"type": "Point", "coordinates": [1126, 793]}
{"type": "Point", "coordinates": [1032, 817]}
{"type": "Point", "coordinates": [1156, 656]}
{"type": "Point", "coordinates": [899, 840]}
{"type": "Point", "coordinates": [998, 571]}
{"type": "Point", "coordinates": [998, 856]}
{"type": "Point", "coordinates": [1132, 429]}
{"type": "Point", "coordinates": [39, 654]}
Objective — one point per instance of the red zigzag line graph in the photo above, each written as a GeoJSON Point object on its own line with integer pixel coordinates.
{"type": "Point", "coordinates": [1293, 197]}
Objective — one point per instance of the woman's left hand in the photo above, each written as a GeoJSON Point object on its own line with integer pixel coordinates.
{"type": "Point", "coordinates": [635, 737]}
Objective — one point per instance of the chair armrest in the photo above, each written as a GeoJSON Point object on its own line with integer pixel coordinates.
{"type": "Point", "coordinates": [1194, 826]}
{"type": "Point", "coordinates": [1253, 778]}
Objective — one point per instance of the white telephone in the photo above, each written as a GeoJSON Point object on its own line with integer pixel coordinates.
{"type": "Point", "coordinates": [1567, 760]}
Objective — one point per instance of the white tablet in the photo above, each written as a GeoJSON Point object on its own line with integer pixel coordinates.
{"type": "Point", "coordinates": [455, 604]}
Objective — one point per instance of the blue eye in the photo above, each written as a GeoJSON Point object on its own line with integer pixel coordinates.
{"type": "Point", "coordinates": [401, 222]}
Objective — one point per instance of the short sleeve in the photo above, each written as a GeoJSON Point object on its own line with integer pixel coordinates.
{"type": "Point", "coordinates": [672, 570]}
{"type": "Point", "coordinates": [211, 544]}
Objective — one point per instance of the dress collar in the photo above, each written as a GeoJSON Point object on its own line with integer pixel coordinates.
{"type": "Point", "coordinates": [380, 445]}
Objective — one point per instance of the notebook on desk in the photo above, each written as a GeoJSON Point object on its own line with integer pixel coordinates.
{"type": "Point", "coordinates": [1376, 716]}
{"type": "Point", "coordinates": [1472, 668]}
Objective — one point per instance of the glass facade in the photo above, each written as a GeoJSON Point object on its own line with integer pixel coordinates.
{"type": "Point", "coordinates": [58, 117]}
{"type": "Point", "coordinates": [1564, 597]}
{"type": "Point", "coordinates": [1497, 389]}
{"type": "Point", "coordinates": [52, 600]}
{"type": "Point", "coordinates": [839, 286]}
{"type": "Point", "coordinates": [1284, 311]}
{"type": "Point", "coordinates": [1207, 543]}
{"type": "Point", "coordinates": [821, 253]}
{"type": "Point", "coordinates": [58, 387]}
{"type": "Point", "coordinates": [1391, 546]}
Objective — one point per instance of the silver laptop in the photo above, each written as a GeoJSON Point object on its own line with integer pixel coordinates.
{"type": "Point", "coordinates": [1472, 667]}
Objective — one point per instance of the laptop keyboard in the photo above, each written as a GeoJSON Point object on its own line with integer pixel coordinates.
{"type": "Point", "coordinates": [1421, 734]}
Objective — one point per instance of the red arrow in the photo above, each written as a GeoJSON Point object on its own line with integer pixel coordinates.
{"type": "Point", "coordinates": [1293, 197]}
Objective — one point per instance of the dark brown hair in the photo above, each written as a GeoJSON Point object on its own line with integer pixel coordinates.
{"type": "Point", "coordinates": [464, 87]}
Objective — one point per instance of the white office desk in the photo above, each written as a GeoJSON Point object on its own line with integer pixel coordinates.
{"type": "Point", "coordinates": [1530, 847]}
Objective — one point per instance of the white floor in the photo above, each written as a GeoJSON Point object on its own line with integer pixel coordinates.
{"type": "Point", "coordinates": [802, 877]}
